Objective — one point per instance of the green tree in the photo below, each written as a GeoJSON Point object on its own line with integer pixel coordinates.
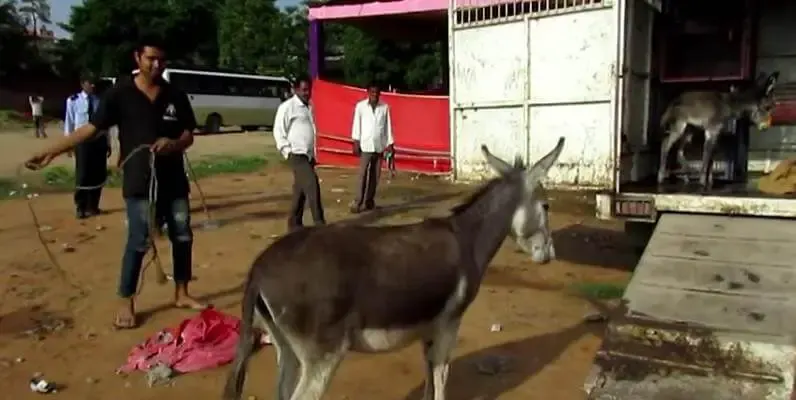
{"type": "Point", "coordinates": [402, 64]}
{"type": "Point", "coordinates": [251, 36]}
{"type": "Point", "coordinates": [366, 56]}
{"type": "Point", "coordinates": [295, 27]}
{"type": "Point", "coordinates": [104, 32]}
{"type": "Point", "coordinates": [36, 12]}
{"type": "Point", "coordinates": [15, 49]}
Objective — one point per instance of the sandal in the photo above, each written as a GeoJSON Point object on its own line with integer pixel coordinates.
{"type": "Point", "coordinates": [124, 322]}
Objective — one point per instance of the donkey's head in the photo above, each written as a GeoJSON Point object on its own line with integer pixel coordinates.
{"type": "Point", "coordinates": [530, 224]}
{"type": "Point", "coordinates": [759, 100]}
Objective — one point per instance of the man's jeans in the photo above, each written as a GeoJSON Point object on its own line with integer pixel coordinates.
{"type": "Point", "coordinates": [177, 214]}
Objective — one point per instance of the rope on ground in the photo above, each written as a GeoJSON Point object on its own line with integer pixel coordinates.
{"type": "Point", "coordinates": [154, 227]}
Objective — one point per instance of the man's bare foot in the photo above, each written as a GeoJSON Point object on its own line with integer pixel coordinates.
{"type": "Point", "coordinates": [183, 300]}
{"type": "Point", "coordinates": [188, 302]}
{"type": "Point", "coordinates": [125, 317]}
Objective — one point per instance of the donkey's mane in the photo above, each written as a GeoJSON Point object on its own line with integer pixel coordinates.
{"type": "Point", "coordinates": [475, 196]}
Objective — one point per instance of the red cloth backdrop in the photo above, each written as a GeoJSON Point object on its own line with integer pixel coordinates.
{"type": "Point", "coordinates": [420, 128]}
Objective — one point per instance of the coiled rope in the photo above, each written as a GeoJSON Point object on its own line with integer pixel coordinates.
{"type": "Point", "coordinates": [161, 275]}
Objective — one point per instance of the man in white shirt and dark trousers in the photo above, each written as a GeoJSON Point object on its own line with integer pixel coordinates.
{"type": "Point", "coordinates": [372, 135]}
{"type": "Point", "coordinates": [36, 111]}
{"type": "Point", "coordinates": [294, 133]}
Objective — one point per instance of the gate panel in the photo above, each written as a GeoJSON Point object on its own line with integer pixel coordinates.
{"type": "Point", "coordinates": [524, 73]}
{"type": "Point", "coordinates": [488, 69]}
{"type": "Point", "coordinates": [572, 57]}
{"type": "Point", "coordinates": [585, 160]}
{"type": "Point", "coordinates": [573, 80]}
{"type": "Point", "coordinates": [500, 128]}
{"type": "Point", "coordinates": [489, 94]}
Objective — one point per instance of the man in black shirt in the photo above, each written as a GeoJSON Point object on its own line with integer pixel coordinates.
{"type": "Point", "coordinates": [152, 114]}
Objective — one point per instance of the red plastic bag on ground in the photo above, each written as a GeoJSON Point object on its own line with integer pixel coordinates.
{"type": "Point", "coordinates": [206, 341]}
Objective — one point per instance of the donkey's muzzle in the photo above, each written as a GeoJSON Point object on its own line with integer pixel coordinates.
{"type": "Point", "coordinates": [764, 124]}
{"type": "Point", "coordinates": [543, 254]}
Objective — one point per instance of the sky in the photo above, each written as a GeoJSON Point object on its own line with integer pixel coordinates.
{"type": "Point", "coordinates": [62, 8]}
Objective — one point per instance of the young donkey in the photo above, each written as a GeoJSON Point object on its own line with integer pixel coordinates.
{"type": "Point", "coordinates": [711, 111]}
{"type": "Point", "coordinates": [324, 291]}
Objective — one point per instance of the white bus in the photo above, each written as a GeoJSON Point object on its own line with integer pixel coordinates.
{"type": "Point", "coordinates": [229, 99]}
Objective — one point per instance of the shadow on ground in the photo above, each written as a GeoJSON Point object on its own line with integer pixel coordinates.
{"type": "Point", "coordinates": [588, 245]}
{"type": "Point", "coordinates": [488, 373]}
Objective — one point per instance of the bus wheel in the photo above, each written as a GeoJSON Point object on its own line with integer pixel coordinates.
{"type": "Point", "coordinates": [213, 123]}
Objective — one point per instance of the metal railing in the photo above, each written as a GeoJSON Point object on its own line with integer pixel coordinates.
{"type": "Point", "coordinates": [478, 12]}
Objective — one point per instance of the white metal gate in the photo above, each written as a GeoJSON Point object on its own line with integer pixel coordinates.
{"type": "Point", "coordinates": [524, 73]}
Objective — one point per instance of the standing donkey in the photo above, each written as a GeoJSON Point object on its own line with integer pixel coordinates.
{"type": "Point", "coordinates": [324, 291]}
{"type": "Point", "coordinates": [711, 111]}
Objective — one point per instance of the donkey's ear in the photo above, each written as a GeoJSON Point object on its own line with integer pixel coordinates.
{"type": "Point", "coordinates": [770, 83]}
{"type": "Point", "coordinates": [500, 166]}
{"type": "Point", "coordinates": [540, 169]}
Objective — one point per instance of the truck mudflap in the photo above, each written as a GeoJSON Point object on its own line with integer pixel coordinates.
{"type": "Point", "coordinates": [710, 313]}
{"type": "Point", "coordinates": [645, 359]}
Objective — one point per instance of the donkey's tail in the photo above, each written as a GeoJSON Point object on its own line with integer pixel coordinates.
{"type": "Point", "coordinates": [252, 303]}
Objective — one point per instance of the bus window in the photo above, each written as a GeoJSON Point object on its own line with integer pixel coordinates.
{"type": "Point", "coordinates": [252, 87]}
{"type": "Point", "coordinates": [183, 81]}
{"type": "Point", "coordinates": [284, 90]}
{"type": "Point", "coordinates": [231, 86]}
{"type": "Point", "coordinates": [209, 85]}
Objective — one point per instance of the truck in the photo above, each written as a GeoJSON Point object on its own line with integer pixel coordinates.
{"type": "Point", "coordinates": [709, 312]}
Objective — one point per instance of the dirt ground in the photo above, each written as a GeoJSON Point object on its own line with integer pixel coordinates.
{"type": "Point", "coordinates": [15, 145]}
{"type": "Point", "coordinates": [544, 348]}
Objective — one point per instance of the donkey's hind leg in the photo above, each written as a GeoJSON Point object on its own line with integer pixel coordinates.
{"type": "Point", "coordinates": [684, 167]}
{"type": "Point", "coordinates": [316, 371]}
{"type": "Point", "coordinates": [437, 352]}
{"type": "Point", "coordinates": [287, 364]}
{"type": "Point", "coordinates": [709, 148]}
{"type": "Point", "coordinates": [678, 128]}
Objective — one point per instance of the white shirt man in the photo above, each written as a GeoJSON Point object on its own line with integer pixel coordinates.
{"type": "Point", "coordinates": [294, 128]}
{"type": "Point", "coordinates": [372, 127]}
{"type": "Point", "coordinates": [372, 135]}
{"type": "Point", "coordinates": [294, 133]}
{"type": "Point", "coordinates": [36, 111]}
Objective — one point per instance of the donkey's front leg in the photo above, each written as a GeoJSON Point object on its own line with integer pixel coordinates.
{"type": "Point", "coordinates": [669, 140]}
{"type": "Point", "coordinates": [437, 353]}
{"type": "Point", "coordinates": [709, 148]}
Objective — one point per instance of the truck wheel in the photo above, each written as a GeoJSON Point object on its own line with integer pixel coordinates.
{"type": "Point", "coordinates": [213, 123]}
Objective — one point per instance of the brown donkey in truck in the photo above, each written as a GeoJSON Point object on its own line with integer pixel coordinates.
{"type": "Point", "coordinates": [711, 111]}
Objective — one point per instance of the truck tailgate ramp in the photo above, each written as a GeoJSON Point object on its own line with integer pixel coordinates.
{"type": "Point", "coordinates": [710, 314]}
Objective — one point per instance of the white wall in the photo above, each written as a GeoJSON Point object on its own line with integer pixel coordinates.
{"type": "Point", "coordinates": [521, 83]}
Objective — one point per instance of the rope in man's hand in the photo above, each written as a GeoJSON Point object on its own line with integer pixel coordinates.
{"type": "Point", "coordinates": [161, 275]}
